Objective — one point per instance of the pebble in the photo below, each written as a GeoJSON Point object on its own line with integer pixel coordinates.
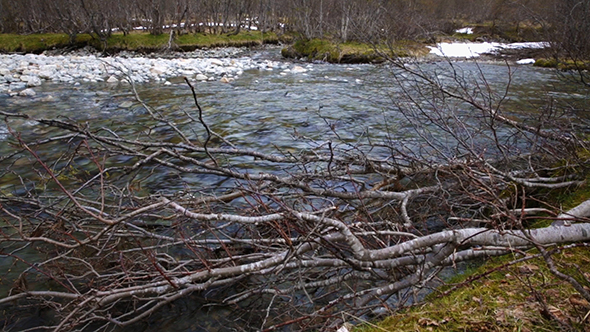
{"type": "Point", "coordinates": [19, 72]}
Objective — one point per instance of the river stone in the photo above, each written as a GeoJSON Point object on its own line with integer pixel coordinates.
{"type": "Point", "coordinates": [33, 81]}
{"type": "Point", "coordinates": [27, 93]}
{"type": "Point", "coordinates": [126, 104]}
{"type": "Point", "coordinates": [17, 86]}
{"type": "Point", "coordinates": [158, 70]}
{"type": "Point", "coordinates": [216, 62]}
{"type": "Point", "coordinates": [201, 77]}
{"type": "Point", "coordinates": [112, 79]}
{"type": "Point", "coordinates": [298, 69]}
{"type": "Point", "coordinates": [48, 68]}
{"type": "Point", "coordinates": [46, 74]}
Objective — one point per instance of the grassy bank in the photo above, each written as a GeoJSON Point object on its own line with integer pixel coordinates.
{"type": "Point", "coordinates": [520, 297]}
{"type": "Point", "coordinates": [350, 52]}
{"type": "Point", "coordinates": [502, 295]}
{"type": "Point", "coordinates": [563, 64]}
{"type": "Point", "coordinates": [137, 41]}
{"type": "Point", "coordinates": [490, 31]}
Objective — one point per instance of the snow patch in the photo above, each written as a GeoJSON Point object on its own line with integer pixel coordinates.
{"type": "Point", "coordinates": [526, 61]}
{"type": "Point", "coordinates": [467, 31]}
{"type": "Point", "coordinates": [473, 50]}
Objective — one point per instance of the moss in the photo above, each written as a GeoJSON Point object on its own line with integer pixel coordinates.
{"type": "Point", "coordinates": [563, 64]}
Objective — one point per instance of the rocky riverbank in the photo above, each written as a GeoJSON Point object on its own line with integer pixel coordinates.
{"type": "Point", "coordinates": [20, 74]}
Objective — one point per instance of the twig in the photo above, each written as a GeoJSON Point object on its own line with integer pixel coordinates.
{"type": "Point", "coordinates": [202, 121]}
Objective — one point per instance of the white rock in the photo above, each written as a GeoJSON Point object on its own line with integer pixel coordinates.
{"type": "Point", "coordinates": [158, 70]}
{"type": "Point", "coordinates": [225, 79]}
{"type": "Point", "coordinates": [27, 93]}
{"type": "Point", "coordinates": [112, 79]}
{"type": "Point", "coordinates": [17, 86]}
{"type": "Point", "coordinates": [187, 73]}
{"type": "Point", "coordinates": [46, 74]}
{"type": "Point", "coordinates": [126, 104]}
{"type": "Point", "coordinates": [33, 81]}
{"type": "Point", "coordinates": [298, 69]}
{"type": "Point", "coordinates": [216, 62]}
{"type": "Point", "coordinates": [48, 68]}
{"type": "Point", "coordinates": [167, 83]}
{"type": "Point", "coordinates": [201, 77]}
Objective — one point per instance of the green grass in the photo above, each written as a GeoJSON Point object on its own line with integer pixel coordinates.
{"type": "Point", "coordinates": [137, 41]}
{"type": "Point", "coordinates": [350, 52]}
{"type": "Point", "coordinates": [145, 41]}
{"type": "Point", "coordinates": [505, 300]}
{"type": "Point", "coordinates": [563, 64]}
{"type": "Point", "coordinates": [37, 43]}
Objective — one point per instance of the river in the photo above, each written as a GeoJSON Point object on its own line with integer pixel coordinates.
{"type": "Point", "coordinates": [281, 109]}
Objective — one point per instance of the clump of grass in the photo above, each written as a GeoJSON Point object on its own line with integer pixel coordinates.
{"type": "Point", "coordinates": [350, 52]}
{"type": "Point", "coordinates": [563, 64]}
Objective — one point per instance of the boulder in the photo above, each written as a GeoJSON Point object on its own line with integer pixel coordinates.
{"type": "Point", "coordinates": [126, 104]}
{"type": "Point", "coordinates": [27, 93]}
{"type": "Point", "coordinates": [159, 70]}
{"type": "Point", "coordinates": [112, 79]}
{"type": "Point", "coordinates": [33, 81]}
{"type": "Point", "coordinates": [201, 77]}
{"type": "Point", "coordinates": [46, 74]}
{"type": "Point", "coordinates": [298, 69]}
{"type": "Point", "coordinates": [216, 62]}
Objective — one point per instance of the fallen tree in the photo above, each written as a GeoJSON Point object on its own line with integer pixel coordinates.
{"type": "Point", "coordinates": [283, 237]}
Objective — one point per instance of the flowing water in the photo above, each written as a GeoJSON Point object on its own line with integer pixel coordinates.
{"type": "Point", "coordinates": [269, 110]}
